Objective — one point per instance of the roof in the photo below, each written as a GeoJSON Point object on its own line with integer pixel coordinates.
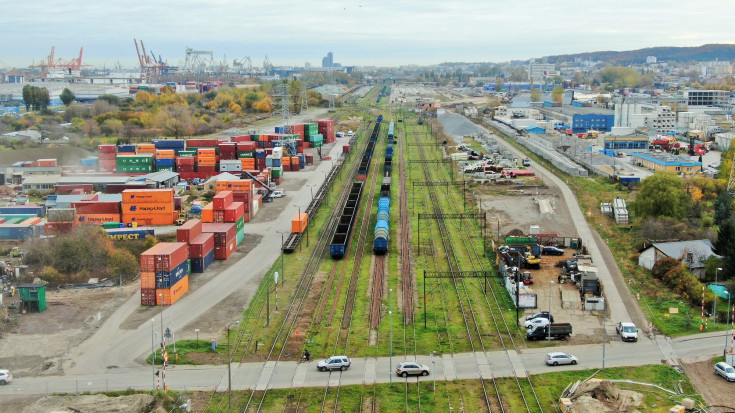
{"type": "Point", "coordinates": [667, 159]}
{"type": "Point", "coordinates": [31, 286]}
{"type": "Point", "coordinates": [41, 179]}
{"type": "Point", "coordinates": [93, 179]}
{"type": "Point", "coordinates": [161, 176]}
{"type": "Point", "coordinates": [701, 249]}
{"type": "Point", "coordinates": [64, 201]}
{"type": "Point", "coordinates": [224, 176]}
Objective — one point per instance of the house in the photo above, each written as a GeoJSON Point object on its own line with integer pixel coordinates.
{"type": "Point", "coordinates": [692, 253]}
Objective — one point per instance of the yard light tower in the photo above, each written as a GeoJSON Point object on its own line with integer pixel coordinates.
{"type": "Point", "coordinates": [714, 305]}
{"type": "Point", "coordinates": [551, 285]}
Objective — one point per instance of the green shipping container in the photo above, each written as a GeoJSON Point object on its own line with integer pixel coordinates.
{"type": "Point", "coordinates": [187, 153]}
{"type": "Point", "coordinates": [134, 168]}
{"type": "Point", "coordinates": [311, 129]}
{"type": "Point", "coordinates": [240, 236]}
{"type": "Point", "coordinates": [240, 224]}
{"type": "Point", "coordinates": [165, 168]}
{"type": "Point", "coordinates": [277, 171]}
{"type": "Point", "coordinates": [255, 137]}
{"type": "Point", "coordinates": [521, 240]}
{"type": "Point", "coordinates": [245, 154]}
{"type": "Point", "coordinates": [134, 160]}
{"type": "Point", "coordinates": [188, 262]}
{"type": "Point", "coordinates": [110, 225]}
{"type": "Point", "coordinates": [318, 138]}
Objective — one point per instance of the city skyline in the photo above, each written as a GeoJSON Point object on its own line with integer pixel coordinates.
{"type": "Point", "coordinates": [359, 33]}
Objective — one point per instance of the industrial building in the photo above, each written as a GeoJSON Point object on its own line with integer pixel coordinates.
{"type": "Point", "coordinates": [679, 164]}
{"type": "Point", "coordinates": [630, 143]}
{"type": "Point", "coordinates": [706, 97]}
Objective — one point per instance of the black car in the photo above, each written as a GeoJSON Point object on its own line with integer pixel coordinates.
{"type": "Point", "coordinates": [550, 250]}
{"type": "Point", "coordinates": [544, 314]}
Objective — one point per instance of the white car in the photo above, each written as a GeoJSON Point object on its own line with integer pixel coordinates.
{"type": "Point", "coordinates": [350, 134]}
{"type": "Point", "coordinates": [278, 193]}
{"type": "Point", "coordinates": [554, 359]}
{"type": "Point", "coordinates": [409, 367]}
{"type": "Point", "coordinates": [334, 363]}
{"type": "Point", "coordinates": [5, 377]}
{"type": "Point", "coordinates": [725, 370]}
{"type": "Point", "coordinates": [536, 322]}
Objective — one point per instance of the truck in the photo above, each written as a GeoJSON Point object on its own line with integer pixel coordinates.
{"type": "Point", "coordinates": [627, 331]}
{"type": "Point", "coordinates": [560, 331]}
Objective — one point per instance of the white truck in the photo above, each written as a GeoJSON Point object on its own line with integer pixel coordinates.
{"type": "Point", "coordinates": [627, 331]}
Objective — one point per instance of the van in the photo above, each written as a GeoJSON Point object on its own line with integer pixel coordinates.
{"type": "Point", "coordinates": [526, 162]}
{"type": "Point", "coordinates": [278, 193]}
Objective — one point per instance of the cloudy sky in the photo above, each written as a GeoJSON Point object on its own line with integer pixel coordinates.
{"type": "Point", "coordinates": [359, 32]}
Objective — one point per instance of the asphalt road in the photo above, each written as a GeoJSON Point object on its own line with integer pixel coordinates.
{"type": "Point", "coordinates": [293, 374]}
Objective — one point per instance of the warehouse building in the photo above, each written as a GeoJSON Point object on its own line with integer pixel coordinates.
{"type": "Point", "coordinates": [679, 164]}
{"type": "Point", "coordinates": [626, 144]}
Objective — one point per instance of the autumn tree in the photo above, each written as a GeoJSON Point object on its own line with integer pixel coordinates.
{"type": "Point", "coordinates": [536, 94]}
{"type": "Point", "coordinates": [557, 93]}
{"type": "Point", "coordinates": [661, 194]}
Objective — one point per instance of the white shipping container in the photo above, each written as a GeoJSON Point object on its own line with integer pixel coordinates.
{"type": "Point", "coordinates": [254, 209]}
{"type": "Point", "coordinates": [534, 230]}
{"type": "Point", "coordinates": [278, 152]}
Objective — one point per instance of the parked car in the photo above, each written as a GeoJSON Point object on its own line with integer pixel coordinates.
{"type": "Point", "coordinates": [278, 193]}
{"type": "Point", "coordinates": [536, 322]}
{"type": "Point", "coordinates": [411, 368]}
{"type": "Point", "coordinates": [554, 359]}
{"type": "Point", "coordinates": [627, 331]}
{"type": "Point", "coordinates": [339, 134]}
{"type": "Point", "coordinates": [725, 370]}
{"type": "Point", "coordinates": [543, 314]}
{"type": "Point", "coordinates": [334, 363]}
{"type": "Point", "coordinates": [350, 134]}
{"type": "Point", "coordinates": [6, 377]}
{"type": "Point", "coordinates": [551, 250]}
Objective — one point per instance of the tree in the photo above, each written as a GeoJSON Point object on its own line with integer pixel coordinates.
{"type": "Point", "coordinates": [661, 195]}
{"type": "Point", "coordinates": [723, 207]}
{"type": "Point", "coordinates": [498, 83]}
{"type": "Point", "coordinates": [557, 93]}
{"type": "Point", "coordinates": [67, 96]}
{"type": "Point", "coordinates": [536, 95]}
{"type": "Point", "coordinates": [28, 96]}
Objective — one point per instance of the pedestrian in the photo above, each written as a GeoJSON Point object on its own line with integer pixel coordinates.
{"type": "Point", "coordinates": [307, 355]}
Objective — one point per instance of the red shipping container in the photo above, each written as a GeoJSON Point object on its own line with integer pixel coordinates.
{"type": "Point", "coordinates": [97, 207]}
{"type": "Point", "coordinates": [164, 256]}
{"type": "Point", "coordinates": [189, 231]}
{"type": "Point", "coordinates": [201, 143]}
{"type": "Point", "coordinates": [91, 197]}
{"type": "Point", "coordinates": [244, 198]}
{"type": "Point", "coordinates": [245, 146]}
{"type": "Point", "coordinates": [67, 189]}
{"type": "Point", "coordinates": [223, 233]}
{"type": "Point", "coordinates": [246, 216]}
{"type": "Point", "coordinates": [223, 252]}
{"type": "Point", "coordinates": [148, 295]}
{"type": "Point", "coordinates": [106, 148]}
{"type": "Point", "coordinates": [222, 200]}
{"type": "Point", "coordinates": [218, 216]}
{"type": "Point", "coordinates": [242, 138]}
{"type": "Point", "coordinates": [234, 211]}
{"type": "Point", "coordinates": [187, 160]}
{"type": "Point", "coordinates": [260, 164]}
{"type": "Point", "coordinates": [200, 246]}
{"type": "Point", "coordinates": [210, 170]}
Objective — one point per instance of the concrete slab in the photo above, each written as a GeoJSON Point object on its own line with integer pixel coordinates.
{"type": "Point", "coordinates": [299, 376]}
{"type": "Point", "coordinates": [448, 363]}
{"type": "Point", "coordinates": [265, 375]}
{"type": "Point", "coordinates": [369, 374]}
{"type": "Point", "coordinates": [483, 364]}
{"type": "Point", "coordinates": [515, 361]}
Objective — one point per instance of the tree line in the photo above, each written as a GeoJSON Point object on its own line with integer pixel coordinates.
{"type": "Point", "coordinates": [35, 97]}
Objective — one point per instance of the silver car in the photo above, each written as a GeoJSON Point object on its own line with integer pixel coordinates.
{"type": "Point", "coordinates": [536, 322]}
{"type": "Point", "coordinates": [334, 363]}
{"type": "Point", "coordinates": [554, 359]}
{"type": "Point", "coordinates": [725, 370]}
{"type": "Point", "coordinates": [411, 368]}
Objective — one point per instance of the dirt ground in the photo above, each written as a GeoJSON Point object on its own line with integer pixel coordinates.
{"type": "Point", "coordinates": [715, 390]}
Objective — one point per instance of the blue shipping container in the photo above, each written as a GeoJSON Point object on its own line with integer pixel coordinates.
{"type": "Point", "coordinates": [199, 265]}
{"type": "Point", "coordinates": [170, 144]}
{"type": "Point", "coordinates": [23, 210]}
{"type": "Point", "coordinates": [165, 162]}
{"type": "Point", "coordinates": [259, 153]}
{"type": "Point", "coordinates": [92, 161]}
{"type": "Point", "coordinates": [126, 148]}
{"type": "Point", "coordinates": [280, 129]}
{"type": "Point", "coordinates": [168, 279]}
{"type": "Point", "coordinates": [128, 233]}
{"type": "Point", "coordinates": [15, 232]}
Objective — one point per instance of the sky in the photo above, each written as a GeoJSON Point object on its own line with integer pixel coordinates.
{"type": "Point", "coordinates": [358, 32]}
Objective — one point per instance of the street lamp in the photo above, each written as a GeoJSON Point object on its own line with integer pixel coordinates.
{"type": "Point", "coordinates": [153, 352]}
{"type": "Point", "coordinates": [433, 374]}
{"type": "Point", "coordinates": [229, 366]}
{"type": "Point", "coordinates": [390, 363]}
{"type": "Point", "coordinates": [726, 318]}
{"type": "Point", "coordinates": [283, 270]}
{"type": "Point", "coordinates": [163, 344]}
{"type": "Point", "coordinates": [551, 283]}
{"type": "Point", "coordinates": [714, 305]}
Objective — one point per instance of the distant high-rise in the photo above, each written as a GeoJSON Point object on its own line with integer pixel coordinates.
{"type": "Point", "coordinates": [328, 60]}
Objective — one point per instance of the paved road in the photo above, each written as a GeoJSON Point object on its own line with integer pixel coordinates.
{"type": "Point", "coordinates": [293, 374]}
{"type": "Point", "coordinates": [112, 347]}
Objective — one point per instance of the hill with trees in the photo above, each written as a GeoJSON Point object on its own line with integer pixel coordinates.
{"type": "Point", "coordinates": [705, 52]}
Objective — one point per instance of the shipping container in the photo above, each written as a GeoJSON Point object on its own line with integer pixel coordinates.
{"type": "Point", "coordinates": [223, 252]}
{"type": "Point", "coordinates": [147, 280]}
{"type": "Point", "coordinates": [222, 200]}
{"type": "Point", "coordinates": [168, 296]}
{"type": "Point", "coordinates": [208, 213]}
{"type": "Point", "coordinates": [299, 222]}
{"type": "Point", "coordinates": [140, 219]}
{"type": "Point", "coordinates": [222, 232]}
{"type": "Point", "coordinates": [190, 230]}
{"type": "Point", "coordinates": [61, 215]}
{"type": "Point", "coordinates": [97, 207]}
{"type": "Point", "coordinates": [36, 210]}
{"type": "Point", "coordinates": [234, 212]}
{"type": "Point", "coordinates": [167, 279]}
{"type": "Point", "coordinates": [98, 219]}
{"type": "Point", "coordinates": [150, 208]}
{"type": "Point", "coordinates": [201, 245]}
{"type": "Point", "coordinates": [128, 234]}
{"type": "Point", "coordinates": [240, 236]}
{"type": "Point", "coordinates": [200, 265]}
{"type": "Point", "coordinates": [164, 256]}
{"type": "Point", "coordinates": [148, 295]}
{"type": "Point", "coordinates": [139, 196]}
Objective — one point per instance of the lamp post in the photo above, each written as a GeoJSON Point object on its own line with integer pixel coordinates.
{"type": "Point", "coordinates": [390, 364]}
{"type": "Point", "coordinates": [163, 345]}
{"type": "Point", "coordinates": [714, 305]}
{"type": "Point", "coordinates": [433, 376]}
{"type": "Point", "coordinates": [283, 270]}
{"type": "Point", "coordinates": [153, 353]}
{"type": "Point", "coordinates": [229, 366]}
{"type": "Point", "coordinates": [727, 318]}
{"type": "Point", "coordinates": [548, 336]}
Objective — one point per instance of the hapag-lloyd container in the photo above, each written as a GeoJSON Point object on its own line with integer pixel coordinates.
{"type": "Point", "coordinates": [199, 265]}
{"type": "Point", "coordinates": [223, 233]}
{"type": "Point", "coordinates": [97, 219]}
{"type": "Point", "coordinates": [190, 230]}
{"type": "Point", "coordinates": [167, 279]}
{"type": "Point", "coordinates": [169, 296]}
{"type": "Point", "coordinates": [223, 252]}
{"type": "Point", "coordinates": [201, 245]}
{"type": "Point", "coordinates": [164, 256]}
{"type": "Point", "coordinates": [140, 196]}
{"type": "Point", "coordinates": [150, 208]}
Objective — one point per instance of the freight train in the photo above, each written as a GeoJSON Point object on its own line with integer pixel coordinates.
{"type": "Point", "coordinates": [338, 247]}
{"type": "Point", "coordinates": [382, 226]}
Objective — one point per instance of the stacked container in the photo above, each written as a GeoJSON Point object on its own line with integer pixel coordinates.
{"type": "Point", "coordinates": [206, 160]}
{"type": "Point", "coordinates": [164, 273]}
{"type": "Point", "coordinates": [106, 158]}
{"type": "Point", "coordinates": [201, 246]}
{"type": "Point", "coordinates": [177, 145]}
{"type": "Point", "coordinates": [96, 212]}
{"type": "Point", "coordinates": [326, 129]}
{"type": "Point", "coordinates": [225, 238]}
{"type": "Point", "coordinates": [148, 207]}
{"type": "Point", "coordinates": [139, 163]}
{"type": "Point", "coordinates": [165, 159]}
{"type": "Point", "coordinates": [242, 191]}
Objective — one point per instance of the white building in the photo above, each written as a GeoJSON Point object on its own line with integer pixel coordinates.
{"type": "Point", "coordinates": [541, 70]}
{"type": "Point", "coordinates": [645, 115]}
{"type": "Point", "coordinates": [706, 97]}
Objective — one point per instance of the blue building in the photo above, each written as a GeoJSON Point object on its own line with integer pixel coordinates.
{"type": "Point", "coordinates": [592, 121]}
{"type": "Point", "coordinates": [535, 129]}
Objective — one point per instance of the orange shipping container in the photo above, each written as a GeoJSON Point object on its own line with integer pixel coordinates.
{"type": "Point", "coordinates": [149, 207]}
{"type": "Point", "coordinates": [168, 296]}
{"type": "Point", "coordinates": [145, 148]}
{"type": "Point", "coordinates": [148, 280]}
{"type": "Point", "coordinates": [47, 162]}
{"type": "Point", "coordinates": [247, 163]}
{"type": "Point", "coordinates": [242, 185]}
{"type": "Point", "coordinates": [206, 161]}
{"type": "Point", "coordinates": [31, 221]}
{"type": "Point", "coordinates": [286, 160]}
{"type": "Point", "coordinates": [298, 224]}
{"type": "Point", "coordinates": [206, 151]}
{"type": "Point", "coordinates": [165, 154]}
{"type": "Point", "coordinates": [208, 213]}
{"type": "Point", "coordinates": [139, 196]}
{"type": "Point", "coordinates": [150, 219]}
